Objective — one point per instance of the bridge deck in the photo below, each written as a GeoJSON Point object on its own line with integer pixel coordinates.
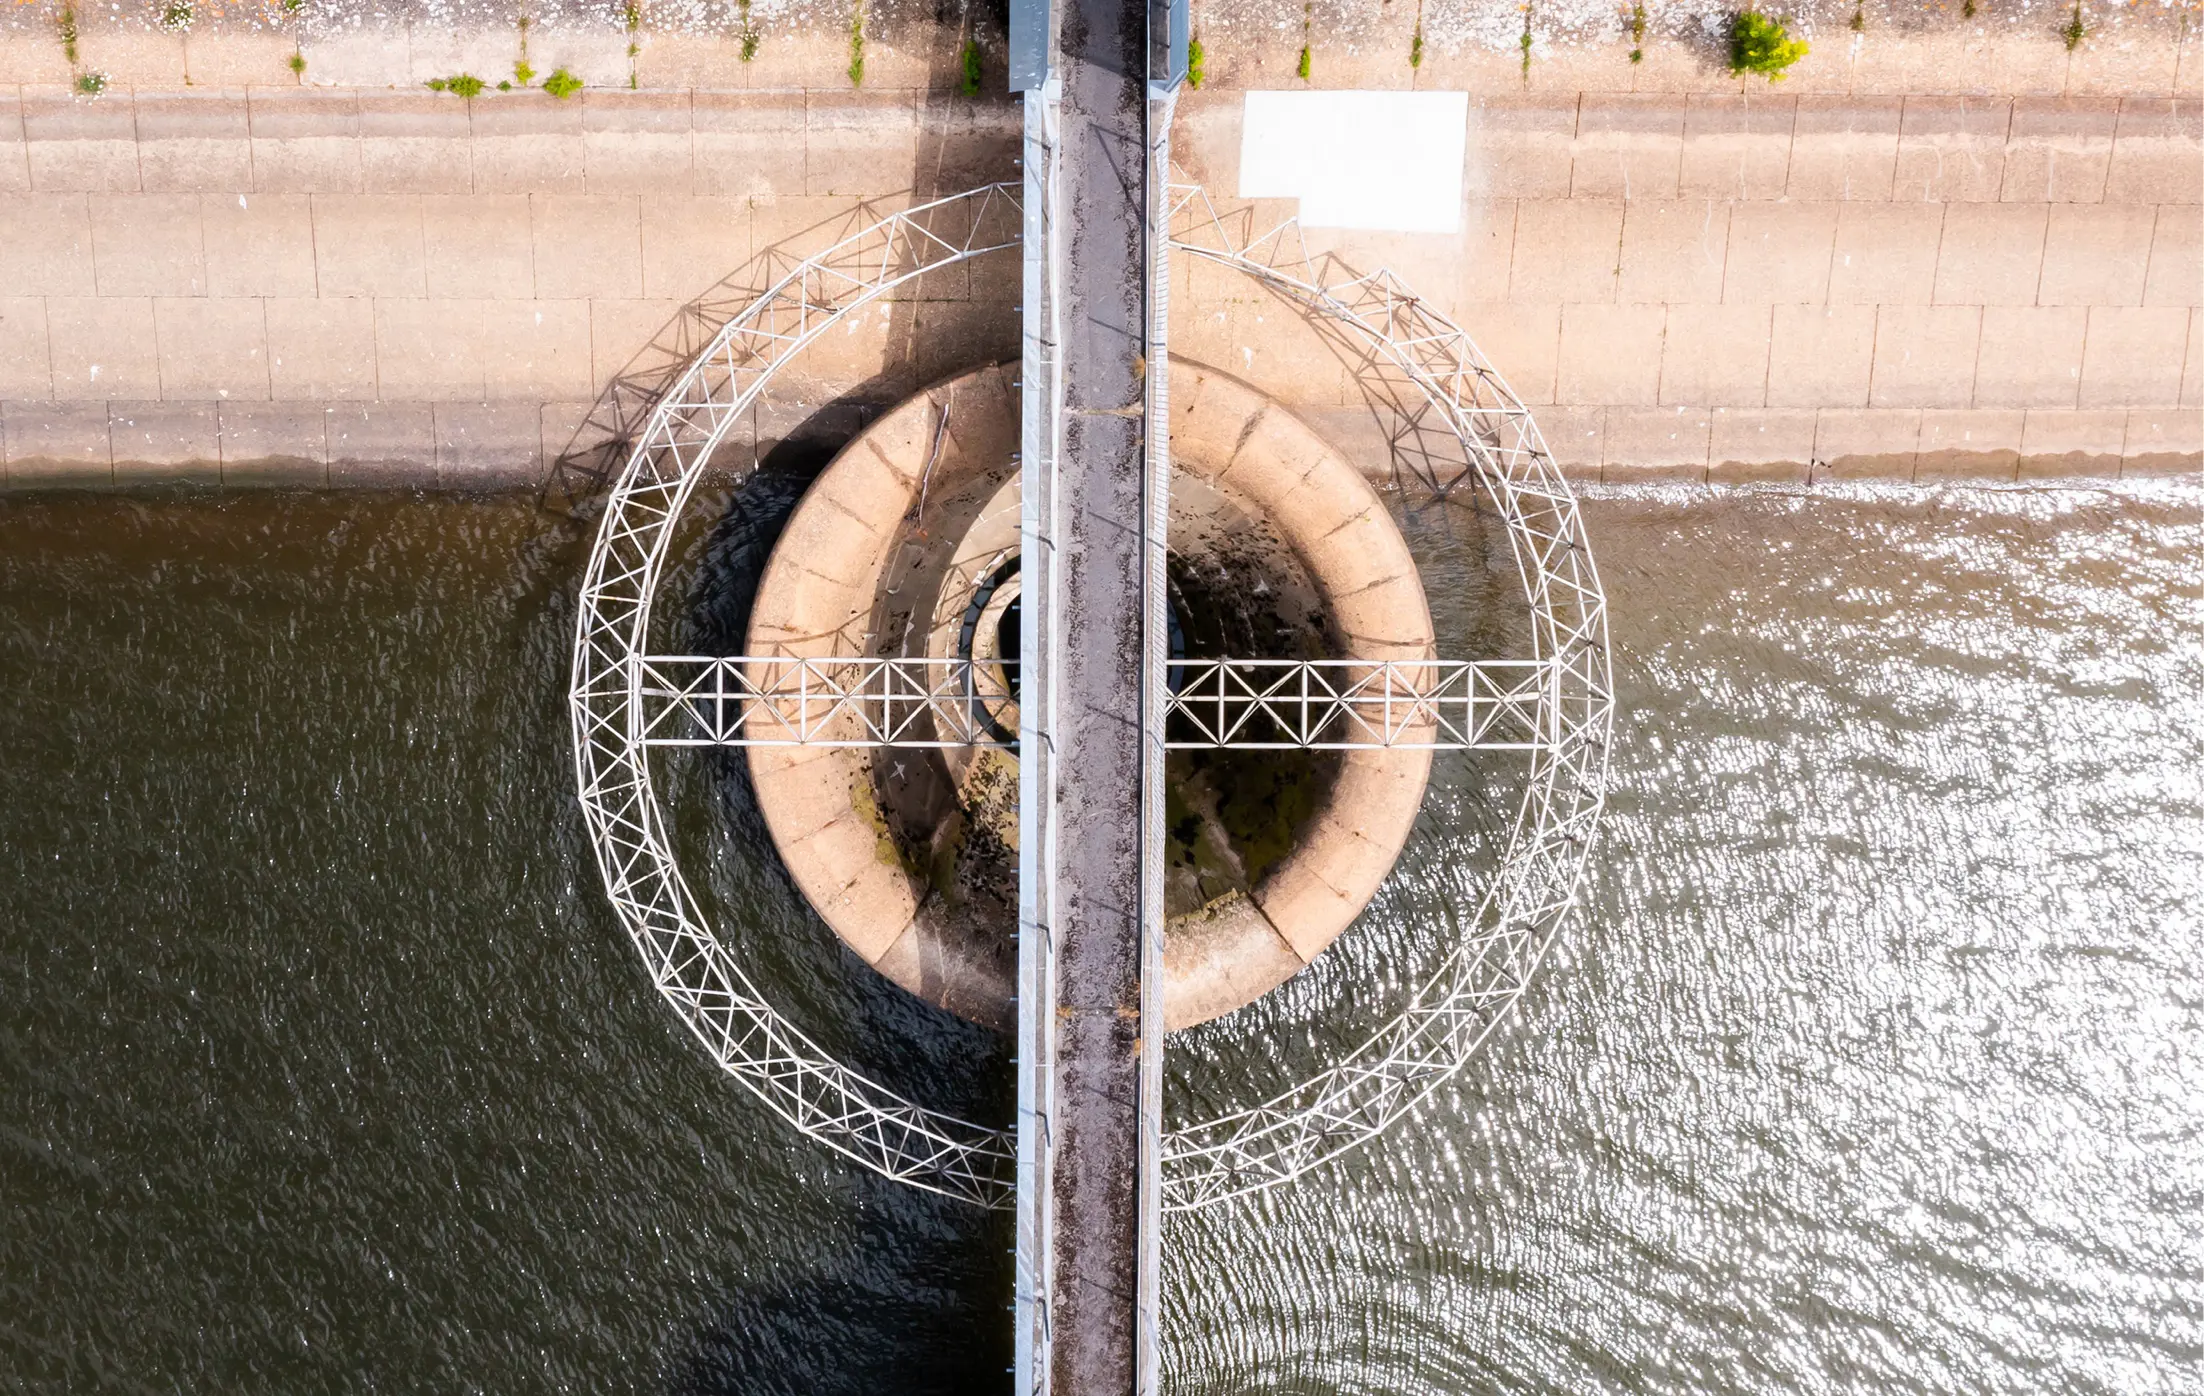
{"type": "Point", "coordinates": [1101, 501]}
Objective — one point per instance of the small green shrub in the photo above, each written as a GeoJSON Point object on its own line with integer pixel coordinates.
{"type": "Point", "coordinates": [504, 85]}
{"type": "Point", "coordinates": [294, 8]}
{"type": "Point", "coordinates": [524, 72]}
{"type": "Point", "coordinates": [749, 34]}
{"type": "Point", "coordinates": [298, 63]}
{"type": "Point", "coordinates": [1859, 20]}
{"type": "Point", "coordinates": [2075, 31]}
{"type": "Point", "coordinates": [459, 85]}
{"type": "Point", "coordinates": [1637, 33]}
{"type": "Point", "coordinates": [1525, 41]}
{"type": "Point", "coordinates": [176, 17]}
{"type": "Point", "coordinates": [969, 83]}
{"type": "Point", "coordinates": [91, 84]}
{"type": "Point", "coordinates": [562, 84]}
{"type": "Point", "coordinates": [1762, 45]}
{"type": "Point", "coordinates": [857, 47]}
{"type": "Point", "coordinates": [1301, 69]}
{"type": "Point", "coordinates": [1415, 48]}
{"type": "Point", "coordinates": [1195, 73]}
{"type": "Point", "coordinates": [68, 30]}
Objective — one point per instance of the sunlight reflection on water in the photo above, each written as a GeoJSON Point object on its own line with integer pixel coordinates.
{"type": "Point", "coordinates": [1876, 1064]}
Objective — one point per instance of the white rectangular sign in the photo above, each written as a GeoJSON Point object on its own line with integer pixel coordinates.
{"type": "Point", "coordinates": [1388, 161]}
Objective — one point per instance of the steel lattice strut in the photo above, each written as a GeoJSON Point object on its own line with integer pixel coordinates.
{"type": "Point", "coordinates": [692, 968]}
{"type": "Point", "coordinates": [1246, 704]}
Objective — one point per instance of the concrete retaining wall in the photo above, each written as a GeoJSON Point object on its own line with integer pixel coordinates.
{"type": "Point", "coordinates": [339, 285]}
{"type": "Point", "coordinates": [1751, 284]}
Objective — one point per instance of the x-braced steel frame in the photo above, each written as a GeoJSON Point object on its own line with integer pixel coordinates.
{"type": "Point", "coordinates": [693, 970]}
{"type": "Point", "coordinates": [1456, 419]}
{"type": "Point", "coordinates": [1244, 704]}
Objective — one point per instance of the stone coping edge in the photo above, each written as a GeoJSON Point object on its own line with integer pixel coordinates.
{"type": "Point", "coordinates": [2129, 51]}
{"type": "Point", "coordinates": [505, 445]}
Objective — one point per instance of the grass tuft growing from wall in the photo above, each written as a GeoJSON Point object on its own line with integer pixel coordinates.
{"type": "Point", "coordinates": [1759, 44]}
{"type": "Point", "coordinates": [632, 13]}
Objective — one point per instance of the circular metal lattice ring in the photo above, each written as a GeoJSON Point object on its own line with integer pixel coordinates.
{"type": "Point", "coordinates": [1348, 1103]}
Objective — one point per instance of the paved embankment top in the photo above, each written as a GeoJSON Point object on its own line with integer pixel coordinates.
{"type": "Point", "coordinates": [2010, 47]}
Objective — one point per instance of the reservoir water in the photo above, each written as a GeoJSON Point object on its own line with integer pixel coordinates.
{"type": "Point", "coordinates": [1875, 1065]}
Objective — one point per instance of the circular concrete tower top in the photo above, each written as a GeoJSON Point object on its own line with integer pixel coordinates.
{"type": "Point", "coordinates": [907, 545]}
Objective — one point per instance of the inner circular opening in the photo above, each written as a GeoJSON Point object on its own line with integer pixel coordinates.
{"type": "Point", "coordinates": [1008, 636]}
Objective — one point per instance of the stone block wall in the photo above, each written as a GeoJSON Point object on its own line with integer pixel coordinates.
{"type": "Point", "coordinates": [386, 282]}
{"type": "Point", "coordinates": [1715, 285]}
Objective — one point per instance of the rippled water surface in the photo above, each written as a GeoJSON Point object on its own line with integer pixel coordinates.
{"type": "Point", "coordinates": [1877, 1064]}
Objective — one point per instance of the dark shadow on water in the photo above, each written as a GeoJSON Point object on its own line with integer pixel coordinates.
{"type": "Point", "coordinates": [906, 1297]}
{"type": "Point", "coordinates": [902, 1291]}
{"type": "Point", "coordinates": [812, 1338]}
{"type": "Point", "coordinates": [826, 1335]}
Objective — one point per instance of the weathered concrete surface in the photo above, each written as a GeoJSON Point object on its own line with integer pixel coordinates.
{"type": "Point", "coordinates": [1100, 653]}
{"type": "Point", "coordinates": [2009, 48]}
{"type": "Point", "coordinates": [261, 284]}
{"type": "Point", "coordinates": [846, 548]}
{"type": "Point", "coordinates": [1233, 438]}
{"type": "Point", "coordinates": [1716, 287]}
{"type": "Point", "coordinates": [245, 268]}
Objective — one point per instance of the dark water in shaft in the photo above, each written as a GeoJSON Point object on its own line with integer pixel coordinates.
{"type": "Point", "coordinates": [1876, 1065]}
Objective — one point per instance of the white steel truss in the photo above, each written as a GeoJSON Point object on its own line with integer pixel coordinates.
{"type": "Point", "coordinates": [1351, 705]}
{"type": "Point", "coordinates": [1248, 704]}
{"type": "Point", "coordinates": [1452, 418]}
{"type": "Point", "coordinates": [693, 970]}
{"type": "Point", "coordinates": [764, 700]}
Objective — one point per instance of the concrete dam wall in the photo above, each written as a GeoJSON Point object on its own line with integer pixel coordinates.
{"type": "Point", "coordinates": [357, 284]}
